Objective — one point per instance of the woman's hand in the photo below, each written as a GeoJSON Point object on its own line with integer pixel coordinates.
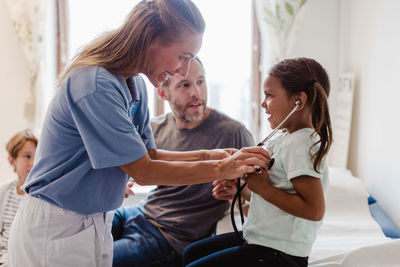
{"type": "Point", "coordinates": [244, 161]}
{"type": "Point", "coordinates": [218, 154]}
{"type": "Point", "coordinates": [231, 151]}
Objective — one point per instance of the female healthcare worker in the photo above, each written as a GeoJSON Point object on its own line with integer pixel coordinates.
{"type": "Point", "coordinates": [96, 133]}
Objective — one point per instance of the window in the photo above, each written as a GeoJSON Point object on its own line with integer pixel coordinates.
{"type": "Point", "coordinates": [226, 49]}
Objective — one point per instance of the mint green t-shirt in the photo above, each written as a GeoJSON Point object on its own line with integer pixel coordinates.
{"type": "Point", "coordinates": [269, 226]}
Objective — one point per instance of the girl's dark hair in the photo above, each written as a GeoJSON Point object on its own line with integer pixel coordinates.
{"type": "Point", "coordinates": [307, 75]}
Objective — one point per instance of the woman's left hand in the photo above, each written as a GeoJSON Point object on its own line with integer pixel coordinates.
{"type": "Point", "coordinates": [217, 154]}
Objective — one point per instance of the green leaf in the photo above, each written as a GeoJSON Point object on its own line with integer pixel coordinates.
{"type": "Point", "coordinates": [268, 13]}
{"type": "Point", "coordinates": [278, 11]}
{"type": "Point", "coordinates": [270, 22]}
{"type": "Point", "coordinates": [302, 3]}
{"type": "Point", "coordinates": [289, 8]}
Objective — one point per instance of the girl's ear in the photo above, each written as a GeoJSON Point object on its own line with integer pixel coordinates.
{"type": "Point", "coordinates": [162, 92]}
{"type": "Point", "coordinates": [302, 98]}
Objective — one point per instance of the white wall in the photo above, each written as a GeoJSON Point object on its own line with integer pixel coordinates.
{"type": "Point", "coordinates": [14, 80]}
{"type": "Point", "coordinates": [318, 36]}
{"type": "Point", "coordinates": [371, 44]}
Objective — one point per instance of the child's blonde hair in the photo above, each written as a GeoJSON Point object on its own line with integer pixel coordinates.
{"type": "Point", "coordinates": [18, 141]}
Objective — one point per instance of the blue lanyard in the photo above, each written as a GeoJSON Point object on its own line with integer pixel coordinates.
{"type": "Point", "coordinates": [134, 109]}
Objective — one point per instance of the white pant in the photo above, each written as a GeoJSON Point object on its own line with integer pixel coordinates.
{"type": "Point", "coordinates": [45, 235]}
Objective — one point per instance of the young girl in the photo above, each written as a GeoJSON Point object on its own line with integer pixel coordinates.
{"type": "Point", "coordinates": [287, 201]}
{"type": "Point", "coordinates": [21, 153]}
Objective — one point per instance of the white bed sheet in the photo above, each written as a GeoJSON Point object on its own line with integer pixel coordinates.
{"type": "Point", "coordinates": [349, 236]}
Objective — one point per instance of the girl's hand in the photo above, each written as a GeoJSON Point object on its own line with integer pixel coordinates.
{"type": "Point", "coordinates": [128, 190]}
{"type": "Point", "coordinates": [259, 182]}
{"type": "Point", "coordinates": [224, 189]}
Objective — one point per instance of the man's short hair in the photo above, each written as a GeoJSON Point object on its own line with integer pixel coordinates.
{"type": "Point", "coordinates": [166, 82]}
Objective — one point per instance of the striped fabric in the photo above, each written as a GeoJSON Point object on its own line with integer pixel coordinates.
{"type": "Point", "coordinates": [12, 201]}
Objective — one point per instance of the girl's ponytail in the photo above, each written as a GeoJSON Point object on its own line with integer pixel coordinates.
{"type": "Point", "coordinates": [321, 122]}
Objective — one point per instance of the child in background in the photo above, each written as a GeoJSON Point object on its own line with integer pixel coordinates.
{"type": "Point", "coordinates": [287, 202]}
{"type": "Point", "coordinates": [21, 153]}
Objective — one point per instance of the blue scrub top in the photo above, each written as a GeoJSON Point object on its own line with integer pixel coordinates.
{"type": "Point", "coordinates": [94, 124]}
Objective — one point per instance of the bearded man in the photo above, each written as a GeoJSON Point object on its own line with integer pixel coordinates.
{"type": "Point", "coordinates": [155, 232]}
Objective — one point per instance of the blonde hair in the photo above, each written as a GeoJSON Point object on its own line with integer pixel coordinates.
{"type": "Point", "coordinates": [124, 51]}
{"type": "Point", "coordinates": [17, 142]}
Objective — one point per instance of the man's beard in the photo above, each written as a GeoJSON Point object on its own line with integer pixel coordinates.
{"type": "Point", "coordinates": [180, 111]}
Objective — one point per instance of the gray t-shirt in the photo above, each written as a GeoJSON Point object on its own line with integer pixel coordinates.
{"type": "Point", "coordinates": [184, 214]}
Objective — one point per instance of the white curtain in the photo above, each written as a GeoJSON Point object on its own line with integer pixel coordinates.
{"type": "Point", "coordinates": [28, 18]}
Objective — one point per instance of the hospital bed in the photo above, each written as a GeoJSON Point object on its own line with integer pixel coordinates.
{"type": "Point", "coordinates": [349, 235]}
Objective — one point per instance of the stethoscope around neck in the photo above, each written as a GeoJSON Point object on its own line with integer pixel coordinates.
{"type": "Point", "coordinates": [240, 187]}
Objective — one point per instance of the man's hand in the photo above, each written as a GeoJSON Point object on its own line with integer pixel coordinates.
{"type": "Point", "coordinates": [224, 189]}
{"type": "Point", "coordinates": [128, 190]}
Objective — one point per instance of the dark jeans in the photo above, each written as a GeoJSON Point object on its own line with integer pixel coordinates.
{"type": "Point", "coordinates": [138, 243]}
{"type": "Point", "coordinates": [227, 250]}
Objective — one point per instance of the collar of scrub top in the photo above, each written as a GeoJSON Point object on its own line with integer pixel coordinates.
{"type": "Point", "coordinates": [131, 83]}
